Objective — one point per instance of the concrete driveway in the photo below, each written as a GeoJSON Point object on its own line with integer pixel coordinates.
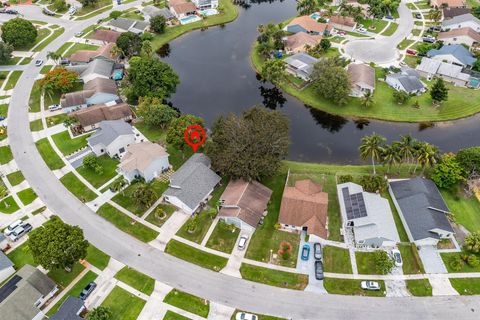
{"type": "Point", "coordinates": [432, 262]}
{"type": "Point", "coordinates": [308, 267]}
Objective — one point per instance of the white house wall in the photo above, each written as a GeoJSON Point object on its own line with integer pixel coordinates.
{"type": "Point", "coordinates": [120, 142]}
{"type": "Point", "coordinates": [176, 202]}
{"type": "Point", "coordinates": [155, 168]}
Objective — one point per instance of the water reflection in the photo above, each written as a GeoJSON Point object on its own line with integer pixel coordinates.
{"type": "Point", "coordinates": [164, 51]}
{"type": "Point", "coordinates": [272, 97]}
{"type": "Point", "coordinates": [361, 123]}
{"type": "Point", "coordinates": [327, 121]}
{"type": "Point", "coordinates": [425, 125]}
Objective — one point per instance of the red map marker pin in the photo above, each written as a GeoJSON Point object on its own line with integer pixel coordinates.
{"type": "Point", "coordinates": [194, 136]}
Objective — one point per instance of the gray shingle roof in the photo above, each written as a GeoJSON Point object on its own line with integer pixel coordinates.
{"type": "Point", "coordinates": [422, 207]}
{"type": "Point", "coordinates": [409, 83]}
{"type": "Point", "coordinates": [132, 25]}
{"type": "Point", "coordinates": [193, 181]}
{"type": "Point", "coordinates": [69, 309]}
{"type": "Point", "coordinates": [109, 131]}
{"type": "Point", "coordinates": [302, 63]}
{"type": "Point", "coordinates": [457, 50]}
{"type": "Point", "coordinates": [460, 19]}
{"type": "Point", "coordinates": [97, 66]}
{"type": "Point", "coordinates": [153, 11]}
{"type": "Point", "coordinates": [4, 261]}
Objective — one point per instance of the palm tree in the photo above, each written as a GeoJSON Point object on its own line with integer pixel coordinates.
{"type": "Point", "coordinates": [435, 15]}
{"type": "Point", "coordinates": [330, 12]}
{"type": "Point", "coordinates": [54, 56]}
{"type": "Point", "coordinates": [367, 99]}
{"type": "Point", "coordinates": [305, 7]}
{"type": "Point", "coordinates": [405, 148]}
{"type": "Point", "coordinates": [147, 48]}
{"type": "Point", "coordinates": [264, 49]}
{"type": "Point", "coordinates": [390, 156]}
{"type": "Point", "coordinates": [118, 184]}
{"type": "Point", "coordinates": [116, 51]}
{"type": "Point", "coordinates": [427, 155]}
{"type": "Point", "coordinates": [372, 147]}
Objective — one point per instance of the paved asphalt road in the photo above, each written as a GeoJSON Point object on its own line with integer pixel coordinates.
{"type": "Point", "coordinates": [213, 286]}
{"type": "Point", "coordinates": [382, 50]}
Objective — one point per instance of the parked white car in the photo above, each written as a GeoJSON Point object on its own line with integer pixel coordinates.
{"type": "Point", "coordinates": [245, 316]}
{"type": "Point", "coordinates": [54, 107]}
{"type": "Point", "coordinates": [13, 226]}
{"type": "Point", "coordinates": [397, 257]}
{"type": "Point", "coordinates": [242, 243]}
{"type": "Point", "coordinates": [362, 30]}
{"type": "Point", "coordinates": [20, 232]}
{"type": "Point", "coordinates": [38, 62]}
{"type": "Point", "coordinates": [72, 10]}
{"type": "Point", "coordinates": [370, 285]}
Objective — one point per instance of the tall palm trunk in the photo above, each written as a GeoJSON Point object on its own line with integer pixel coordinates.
{"type": "Point", "coordinates": [373, 163]}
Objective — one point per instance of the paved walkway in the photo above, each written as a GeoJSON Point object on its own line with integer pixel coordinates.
{"type": "Point", "coordinates": [431, 259]}
{"type": "Point", "coordinates": [169, 229]}
{"type": "Point", "coordinates": [441, 286]}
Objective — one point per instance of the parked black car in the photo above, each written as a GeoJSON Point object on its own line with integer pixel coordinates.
{"type": "Point", "coordinates": [418, 16]}
{"type": "Point", "coordinates": [87, 290]}
{"type": "Point", "coordinates": [318, 270]}
{"type": "Point", "coordinates": [317, 251]}
{"type": "Point", "coordinates": [48, 12]}
{"type": "Point", "coordinates": [27, 227]}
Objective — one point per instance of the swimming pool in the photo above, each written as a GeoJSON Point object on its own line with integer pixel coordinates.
{"type": "Point", "coordinates": [190, 19]}
{"type": "Point", "coordinates": [474, 83]}
{"type": "Point", "coordinates": [117, 74]}
{"type": "Point", "coordinates": [315, 15]}
{"type": "Point", "coordinates": [208, 12]}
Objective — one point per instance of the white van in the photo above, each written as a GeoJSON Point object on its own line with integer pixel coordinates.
{"type": "Point", "coordinates": [12, 227]}
{"type": "Point", "coordinates": [54, 107]}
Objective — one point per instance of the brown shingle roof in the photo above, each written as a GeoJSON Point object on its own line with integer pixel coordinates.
{"type": "Point", "coordinates": [106, 35]}
{"type": "Point", "coordinates": [305, 205]}
{"type": "Point", "coordinates": [300, 39]}
{"type": "Point", "coordinates": [245, 200]}
{"type": "Point", "coordinates": [448, 3]}
{"type": "Point", "coordinates": [89, 89]}
{"type": "Point", "coordinates": [449, 13]}
{"type": "Point", "coordinates": [172, 3]}
{"type": "Point", "coordinates": [469, 32]}
{"type": "Point", "coordinates": [140, 155]}
{"type": "Point", "coordinates": [101, 85]}
{"type": "Point", "coordinates": [346, 21]}
{"type": "Point", "coordinates": [96, 114]}
{"type": "Point", "coordinates": [184, 7]}
{"type": "Point", "coordinates": [309, 24]}
{"type": "Point", "coordinates": [87, 55]}
{"type": "Point", "coordinates": [361, 74]}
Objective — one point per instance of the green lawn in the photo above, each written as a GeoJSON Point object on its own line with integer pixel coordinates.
{"type": "Point", "coordinates": [466, 286]}
{"type": "Point", "coordinates": [154, 134]}
{"type": "Point", "coordinates": [49, 155]}
{"type": "Point", "coordinates": [55, 34]}
{"type": "Point", "coordinates": [336, 260]}
{"type": "Point", "coordinates": [22, 256]}
{"type": "Point", "coordinates": [168, 209]}
{"type": "Point", "coordinates": [203, 223]}
{"type": "Point", "coordinates": [15, 178]}
{"type": "Point", "coordinates": [39, 210]}
{"type": "Point", "coordinates": [136, 279]}
{"type": "Point", "coordinates": [75, 186]}
{"type": "Point", "coordinates": [34, 102]}
{"type": "Point", "coordinates": [223, 237]}
{"type": "Point", "coordinates": [5, 155]}
{"type": "Point", "coordinates": [273, 277]}
{"type": "Point", "coordinates": [27, 196]}
{"type": "Point", "coordinates": [68, 145]}
{"type": "Point", "coordinates": [74, 291]}
{"type": "Point", "coordinates": [8, 205]}
{"type": "Point", "coordinates": [126, 200]}
{"type": "Point", "coordinates": [466, 211]}
{"type": "Point", "coordinates": [195, 256]}
{"type": "Point", "coordinates": [93, 14]}
{"type": "Point", "coordinates": [54, 120]}
{"type": "Point", "coordinates": [170, 315]}
{"type": "Point", "coordinates": [123, 304]}
{"type": "Point", "coordinates": [374, 25]}
{"type": "Point", "coordinates": [419, 287]}
{"type": "Point", "coordinates": [124, 223]}
{"type": "Point", "coordinates": [412, 264]}
{"type": "Point", "coordinates": [80, 46]}
{"type": "Point", "coordinates": [88, 9]}
{"type": "Point", "coordinates": [402, 233]}
{"type": "Point", "coordinates": [63, 278]}
{"type": "Point", "coordinates": [45, 69]}
{"type": "Point", "coordinates": [188, 302]}
{"type": "Point", "coordinates": [416, 32]}
{"type": "Point", "coordinates": [36, 125]}
{"type": "Point", "coordinates": [12, 80]}
{"type": "Point", "coordinates": [109, 166]}
{"type": "Point", "coordinates": [63, 48]}
{"type": "Point", "coordinates": [447, 256]}
{"type": "Point", "coordinates": [390, 30]}
{"type": "Point", "coordinates": [351, 287]}
{"type": "Point", "coordinates": [97, 257]}
{"type": "Point", "coordinates": [4, 110]}
{"type": "Point", "coordinates": [366, 262]}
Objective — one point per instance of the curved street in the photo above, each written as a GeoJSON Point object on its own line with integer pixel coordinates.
{"type": "Point", "coordinates": [201, 282]}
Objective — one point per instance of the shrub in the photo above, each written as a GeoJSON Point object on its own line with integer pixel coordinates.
{"type": "Point", "coordinates": [383, 262]}
{"type": "Point", "coordinates": [473, 261]}
{"type": "Point", "coordinates": [345, 178]}
{"type": "Point", "coordinates": [456, 263]}
{"type": "Point", "coordinates": [373, 183]}
{"type": "Point", "coordinates": [472, 242]}
{"type": "Point", "coordinates": [115, 14]}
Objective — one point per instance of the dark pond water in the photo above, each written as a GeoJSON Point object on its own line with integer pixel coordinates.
{"type": "Point", "coordinates": [217, 78]}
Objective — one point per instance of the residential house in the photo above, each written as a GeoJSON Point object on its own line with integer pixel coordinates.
{"type": "Point", "coordinates": [85, 56]}
{"type": "Point", "coordinates": [105, 36]}
{"type": "Point", "coordinates": [448, 3]}
{"type": "Point", "coordinates": [98, 68]}
{"type": "Point", "coordinates": [6, 267]}
{"type": "Point", "coordinates": [96, 91]}
{"type": "Point", "coordinates": [368, 215]}
{"type": "Point", "coordinates": [70, 309]}
{"type": "Point", "coordinates": [449, 13]}
{"type": "Point", "coordinates": [362, 78]}
{"type": "Point", "coordinates": [422, 210]}
{"type": "Point", "coordinates": [4, 245]}
{"type": "Point", "coordinates": [308, 25]}
{"type": "Point", "coordinates": [112, 138]}
{"type": "Point", "coordinates": [304, 207]}
{"type": "Point", "coordinates": [466, 36]}
{"type": "Point", "coordinates": [192, 183]}
{"type": "Point", "coordinates": [430, 68]}
{"type": "Point", "coordinates": [183, 9]}
{"type": "Point", "coordinates": [455, 53]}
{"type": "Point", "coordinates": [244, 203]}
{"type": "Point", "coordinates": [299, 42]}
{"type": "Point", "coordinates": [145, 159]}
{"type": "Point", "coordinates": [130, 25]}
{"type": "Point", "coordinates": [22, 296]}
{"type": "Point", "coordinates": [152, 11]}
{"type": "Point", "coordinates": [90, 118]}
{"type": "Point", "coordinates": [407, 80]}
{"type": "Point", "coordinates": [342, 23]}
{"type": "Point", "coordinates": [300, 65]}
{"type": "Point", "coordinates": [206, 4]}
{"type": "Point", "coordinates": [463, 21]}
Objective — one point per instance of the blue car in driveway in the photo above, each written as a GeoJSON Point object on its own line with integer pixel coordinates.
{"type": "Point", "coordinates": [305, 252]}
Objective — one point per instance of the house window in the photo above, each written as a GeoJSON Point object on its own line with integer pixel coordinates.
{"type": "Point", "coordinates": [101, 150]}
{"type": "Point", "coordinates": [122, 150]}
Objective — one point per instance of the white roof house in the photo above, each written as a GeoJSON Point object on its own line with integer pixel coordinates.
{"type": "Point", "coordinates": [462, 21]}
{"type": "Point", "coordinates": [407, 80]}
{"type": "Point", "coordinates": [368, 215]}
{"type": "Point", "coordinates": [449, 72]}
{"type": "Point", "coordinates": [301, 65]}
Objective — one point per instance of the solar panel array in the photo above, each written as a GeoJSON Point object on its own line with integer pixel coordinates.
{"type": "Point", "coordinates": [9, 287]}
{"type": "Point", "coordinates": [354, 204]}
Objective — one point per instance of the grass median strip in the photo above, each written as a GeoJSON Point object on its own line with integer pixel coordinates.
{"type": "Point", "coordinates": [68, 145]}
{"type": "Point", "coordinates": [12, 80]}
{"type": "Point", "coordinates": [466, 286]}
{"type": "Point", "coordinates": [136, 279]}
{"type": "Point", "coordinates": [188, 302]}
{"type": "Point", "coordinates": [195, 256]}
{"type": "Point", "coordinates": [273, 277]}
{"type": "Point", "coordinates": [419, 287]}
{"type": "Point", "coordinates": [5, 155]}
{"type": "Point", "coordinates": [15, 178]}
{"type": "Point", "coordinates": [97, 257]}
{"type": "Point", "coordinates": [170, 315]}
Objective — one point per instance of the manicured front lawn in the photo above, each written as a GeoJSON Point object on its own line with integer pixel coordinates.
{"type": "Point", "coordinates": [188, 302]}
{"type": "Point", "coordinates": [336, 260]}
{"type": "Point", "coordinates": [62, 277]}
{"type": "Point", "coordinates": [22, 256]}
{"type": "Point", "coordinates": [136, 279]}
{"type": "Point", "coordinates": [80, 46]}
{"type": "Point", "coordinates": [203, 223]}
{"type": "Point", "coordinates": [12, 80]}
{"type": "Point", "coordinates": [54, 120]}
{"type": "Point", "coordinates": [75, 186]}
{"type": "Point", "coordinates": [55, 34]}
{"type": "Point", "coordinates": [170, 315]}
{"type": "Point", "coordinates": [366, 262]}
{"type": "Point", "coordinates": [35, 94]}
{"type": "Point", "coordinates": [123, 304]}
{"type": "Point", "coordinates": [97, 257]}
{"type": "Point", "coordinates": [68, 145]}
{"type": "Point", "coordinates": [223, 237]}
{"type": "Point", "coordinates": [154, 134]}
{"type": "Point", "coordinates": [168, 209]}
{"type": "Point", "coordinates": [351, 287]}
{"type": "Point", "coordinates": [391, 29]}
{"type": "Point", "coordinates": [466, 211]}
{"type": "Point", "coordinates": [109, 166]}
{"type": "Point", "coordinates": [447, 256]}
{"type": "Point", "coordinates": [466, 286]}
{"type": "Point", "coordinates": [49, 155]}
{"type": "Point", "coordinates": [8, 205]}
{"type": "Point", "coordinates": [374, 25]}
{"type": "Point", "coordinates": [412, 264]}
{"type": "Point", "coordinates": [15, 178]}
{"type": "Point", "coordinates": [125, 197]}
{"type": "Point", "coordinates": [274, 277]}
{"type": "Point", "coordinates": [124, 223]}
{"type": "Point", "coordinates": [5, 155]}
{"type": "Point", "coordinates": [419, 287]}
{"type": "Point", "coordinates": [27, 196]}
{"type": "Point", "coordinates": [195, 256]}
{"type": "Point", "coordinates": [36, 125]}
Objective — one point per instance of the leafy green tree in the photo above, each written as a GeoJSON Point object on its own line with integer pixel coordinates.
{"type": "Point", "coordinates": [469, 159]}
{"type": "Point", "coordinates": [406, 148]}
{"type": "Point", "coordinates": [115, 14]}
{"type": "Point", "coordinates": [60, 5]}
{"type": "Point", "coordinates": [192, 224]}
{"type": "Point", "coordinates": [147, 48]}
{"type": "Point", "coordinates": [476, 65]}
{"type": "Point", "coordinates": [143, 195]}
{"type": "Point", "coordinates": [331, 80]}
{"type": "Point", "coordinates": [476, 11]}
{"type": "Point", "coordinates": [456, 263]}
{"type": "Point", "coordinates": [367, 99]}
{"type": "Point", "coordinates": [372, 146]}
{"type": "Point", "coordinates": [383, 262]}
{"type": "Point", "coordinates": [325, 44]}
{"type": "Point", "coordinates": [271, 35]}
{"type": "Point", "coordinates": [177, 128]}
{"type": "Point", "coordinates": [150, 77]}
{"type": "Point", "coordinates": [265, 49]}
{"type": "Point", "coordinates": [54, 56]}
{"type": "Point", "coordinates": [89, 3]}
{"type": "Point", "coordinates": [5, 52]}
{"type": "Point", "coordinates": [448, 172]}
{"type": "Point", "coordinates": [401, 97]}
{"type": "Point", "coordinates": [373, 183]}
{"type": "Point", "coordinates": [155, 113]}
{"type": "Point", "coordinates": [435, 15]}
{"type": "Point", "coordinates": [158, 24]}
{"type": "Point", "coordinates": [472, 242]}
{"type": "Point", "coordinates": [305, 7]}
{"type": "Point", "coordinates": [119, 184]}
{"type": "Point", "coordinates": [100, 313]}
{"type": "Point", "coordinates": [91, 162]}
{"type": "Point", "coordinates": [439, 91]}
{"type": "Point", "coordinates": [473, 261]}
{"type": "Point", "coordinates": [70, 121]}
{"type": "Point", "coordinates": [130, 43]}
{"type": "Point", "coordinates": [260, 134]}
{"type": "Point", "coordinates": [59, 79]}
{"type": "Point", "coordinates": [19, 32]}
{"type": "Point", "coordinates": [273, 70]}
{"type": "Point", "coordinates": [56, 244]}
